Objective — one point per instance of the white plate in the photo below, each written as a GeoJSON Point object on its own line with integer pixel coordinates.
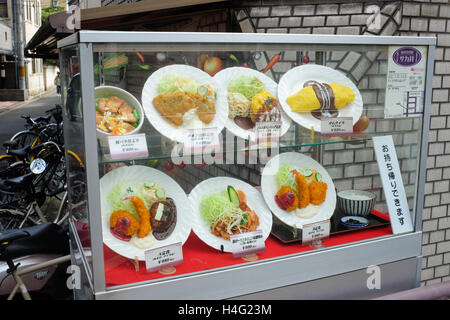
{"type": "Point", "coordinates": [269, 188]}
{"type": "Point", "coordinates": [293, 80]}
{"type": "Point", "coordinates": [150, 91]}
{"type": "Point", "coordinates": [224, 77]}
{"type": "Point", "coordinates": [216, 185]}
{"type": "Point", "coordinates": [143, 174]}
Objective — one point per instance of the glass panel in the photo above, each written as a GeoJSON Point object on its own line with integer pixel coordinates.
{"type": "Point", "coordinates": [74, 143]}
{"type": "Point", "coordinates": [147, 94]}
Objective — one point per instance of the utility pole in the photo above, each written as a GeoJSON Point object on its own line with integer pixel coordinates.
{"type": "Point", "coordinates": [19, 44]}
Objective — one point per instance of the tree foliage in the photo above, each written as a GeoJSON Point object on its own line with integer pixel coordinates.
{"type": "Point", "coordinates": [47, 12]}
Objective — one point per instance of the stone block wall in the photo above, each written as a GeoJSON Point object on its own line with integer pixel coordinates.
{"type": "Point", "coordinates": [406, 18]}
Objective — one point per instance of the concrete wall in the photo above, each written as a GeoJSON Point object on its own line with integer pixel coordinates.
{"type": "Point", "coordinates": [5, 38]}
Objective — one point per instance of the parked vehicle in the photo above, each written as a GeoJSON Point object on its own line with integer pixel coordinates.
{"type": "Point", "coordinates": [33, 261]}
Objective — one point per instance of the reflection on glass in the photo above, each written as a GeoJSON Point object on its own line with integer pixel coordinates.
{"type": "Point", "coordinates": [163, 98]}
{"type": "Point", "coordinates": [74, 143]}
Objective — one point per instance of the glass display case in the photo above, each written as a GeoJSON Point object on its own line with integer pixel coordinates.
{"type": "Point", "coordinates": [237, 165]}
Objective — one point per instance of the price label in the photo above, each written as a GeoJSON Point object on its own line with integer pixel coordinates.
{"type": "Point", "coordinates": [129, 146]}
{"type": "Point", "coordinates": [267, 131]}
{"type": "Point", "coordinates": [336, 126]}
{"type": "Point", "coordinates": [200, 139]}
{"type": "Point", "coordinates": [315, 231]}
{"type": "Point", "coordinates": [244, 244]}
{"type": "Point", "coordinates": [163, 257]}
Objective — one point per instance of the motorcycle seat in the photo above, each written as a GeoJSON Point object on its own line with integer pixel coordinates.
{"type": "Point", "coordinates": [16, 184]}
{"type": "Point", "coordinates": [11, 144]}
{"type": "Point", "coordinates": [45, 238]}
{"type": "Point", "coordinates": [20, 153]}
{"type": "Point", "coordinates": [16, 234]}
{"type": "Point", "coordinates": [43, 118]}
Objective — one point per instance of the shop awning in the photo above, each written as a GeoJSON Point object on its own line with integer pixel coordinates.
{"type": "Point", "coordinates": [146, 15]}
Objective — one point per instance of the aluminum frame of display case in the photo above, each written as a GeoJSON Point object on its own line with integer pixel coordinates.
{"type": "Point", "coordinates": [268, 275]}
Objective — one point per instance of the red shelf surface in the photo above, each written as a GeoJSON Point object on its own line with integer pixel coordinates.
{"type": "Point", "coordinates": [198, 256]}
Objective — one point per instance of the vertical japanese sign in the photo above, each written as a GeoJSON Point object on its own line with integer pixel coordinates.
{"type": "Point", "coordinates": [394, 190]}
{"type": "Point", "coordinates": [405, 84]}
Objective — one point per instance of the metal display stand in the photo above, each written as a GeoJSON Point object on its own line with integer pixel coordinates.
{"type": "Point", "coordinates": [329, 272]}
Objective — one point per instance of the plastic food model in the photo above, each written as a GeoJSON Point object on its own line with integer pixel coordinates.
{"type": "Point", "coordinates": [300, 190]}
{"type": "Point", "coordinates": [184, 103]}
{"type": "Point", "coordinates": [321, 99]}
{"type": "Point", "coordinates": [114, 116]}
{"type": "Point", "coordinates": [227, 213]}
{"type": "Point", "coordinates": [142, 215]}
{"type": "Point", "coordinates": [249, 103]}
{"type": "Point", "coordinates": [118, 60]}
{"type": "Point", "coordinates": [264, 107]}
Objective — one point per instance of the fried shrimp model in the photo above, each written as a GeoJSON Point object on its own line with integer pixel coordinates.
{"type": "Point", "coordinates": [144, 216]}
{"type": "Point", "coordinates": [317, 192]}
{"type": "Point", "coordinates": [116, 215]}
{"type": "Point", "coordinates": [303, 190]}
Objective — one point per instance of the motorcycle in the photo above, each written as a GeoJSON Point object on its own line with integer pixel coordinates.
{"type": "Point", "coordinates": [34, 260]}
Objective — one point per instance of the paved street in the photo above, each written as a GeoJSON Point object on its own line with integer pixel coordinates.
{"type": "Point", "coordinates": [10, 120]}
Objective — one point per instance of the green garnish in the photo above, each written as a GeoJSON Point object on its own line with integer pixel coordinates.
{"type": "Point", "coordinates": [244, 219]}
{"type": "Point", "coordinates": [234, 198]}
{"type": "Point", "coordinates": [160, 194]}
{"type": "Point", "coordinates": [318, 177]}
{"type": "Point", "coordinates": [306, 172]}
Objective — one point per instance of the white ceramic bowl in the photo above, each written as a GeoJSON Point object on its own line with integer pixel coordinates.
{"type": "Point", "coordinates": [110, 91]}
{"type": "Point", "coordinates": [356, 202]}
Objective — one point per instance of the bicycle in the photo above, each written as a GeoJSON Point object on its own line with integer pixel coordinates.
{"type": "Point", "coordinates": [40, 250]}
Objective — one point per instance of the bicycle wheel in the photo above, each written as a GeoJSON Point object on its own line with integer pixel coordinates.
{"type": "Point", "coordinates": [26, 138]}
{"type": "Point", "coordinates": [5, 162]}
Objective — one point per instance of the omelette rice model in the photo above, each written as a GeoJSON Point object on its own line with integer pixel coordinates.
{"type": "Point", "coordinates": [321, 99]}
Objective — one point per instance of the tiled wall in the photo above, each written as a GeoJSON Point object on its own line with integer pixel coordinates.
{"type": "Point", "coordinates": [406, 18]}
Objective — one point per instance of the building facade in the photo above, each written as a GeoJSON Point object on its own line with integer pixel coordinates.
{"type": "Point", "coordinates": [39, 77]}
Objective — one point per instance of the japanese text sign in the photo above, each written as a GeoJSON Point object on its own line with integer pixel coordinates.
{"type": "Point", "coordinates": [315, 231]}
{"type": "Point", "coordinates": [128, 146]}
{"type": "Point", "coordinates": [196, 140]}
{"type": "Point", "coordinates": [336, 126]}
{"type": "Point", "coordinates": [391, 178]}
{"type": "Point", "coordinates": [405, 82]}
{"type": "Point", "coordinates": [163, 257]}
{"type": "Point", "coordinates": [247, 243]}
{"type": "Point", "coordinates": [268, 131]}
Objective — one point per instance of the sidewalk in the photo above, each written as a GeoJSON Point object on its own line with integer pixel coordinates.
{"type": "Point", "coordinates": [8, 105]}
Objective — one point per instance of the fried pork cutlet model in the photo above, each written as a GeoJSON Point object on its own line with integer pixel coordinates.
{"type": "Point", "coordinates": [206, 109]}
{"type": "Point", "coordinates": [172, 106]}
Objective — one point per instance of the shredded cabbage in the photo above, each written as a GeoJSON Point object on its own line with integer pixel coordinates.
{"type": "Point", "coordinates": [246, 85]}
{"type": "Point", "coordinates": [284, 177]}
{"type": "Point", "coordinates": [218, 207]}
{"type": "Point", "coordinates": [173, 83]}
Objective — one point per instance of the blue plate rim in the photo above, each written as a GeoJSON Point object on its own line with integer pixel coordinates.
{"type": "Point", "coordinates": [353, 225]}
